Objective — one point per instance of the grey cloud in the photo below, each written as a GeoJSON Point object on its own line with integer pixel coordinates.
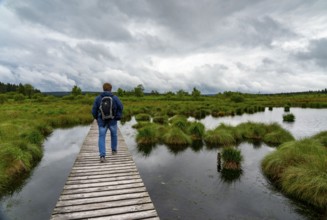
{"type": "Point", "coordinates": [80, 19]}
{"type": "Point", "coordinates": [316, 52]}
{"type": "Point", "coordinates": [97, 51]}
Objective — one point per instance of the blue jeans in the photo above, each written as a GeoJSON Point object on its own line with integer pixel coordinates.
{"type": "Point", "coordinates": [112, 126]}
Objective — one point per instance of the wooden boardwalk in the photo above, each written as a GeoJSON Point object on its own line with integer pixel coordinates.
{"type": "Point", "coordinates": [110, 190]}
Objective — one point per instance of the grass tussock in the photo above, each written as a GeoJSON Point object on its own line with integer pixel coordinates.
{"type": "Point", "coordinates": [232, 158]}
{"type": "Point", "coordinates": [175, 136]}
{"type": "Point", "coordinates": [299, 168]}
{"type": "Point", "coordinates": [147, 135]}
{"type": "Point", "coordinates": [289, 117]}
{"type": "Point", "coordinates": [196, 130]}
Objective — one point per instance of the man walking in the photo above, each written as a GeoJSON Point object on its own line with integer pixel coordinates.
{"type": "Point", "coordinates": [107, 110]}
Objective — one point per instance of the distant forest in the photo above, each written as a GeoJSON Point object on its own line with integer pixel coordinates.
{"type": "Point", "coordinates": [20, 88]}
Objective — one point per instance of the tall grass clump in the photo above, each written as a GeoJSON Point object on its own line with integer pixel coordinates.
{"type": "Point", "coordinates": [299, 169]}
{"type": "Point", "coordinates": [162, 119]}
{"type": "Point", "coordinates": [232, 158]}
{"type": "Point", "coordinates": [147, 135]}
{"type": "Point", "coordinates": [252, 131]}
{"type": "Point", "coordinates": [175, 136]}
{"type": "Point", "coordinates": [142, 117]}
{"type": "Point", "coordinates": [289, 117]}
{"type": "Point", "coordinates": [321, 137]}
{"type": "Point", "coordinates": [276, 135]}
{"type": "Point", "coordinates": [219, 137]}
{"type": "Point", "coordinates": [180, 122]}
{"type": "Point", "coordinates": [196, 130]}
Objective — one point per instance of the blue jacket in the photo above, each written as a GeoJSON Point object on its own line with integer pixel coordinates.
{"type": "Point", "coordinates": [116, 102]}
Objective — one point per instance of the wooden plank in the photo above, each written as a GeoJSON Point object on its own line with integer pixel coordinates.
{"type": "Point", "coordinates": [106, 212]}
{"type": "Point", "coordinates": [110, 190]}
{"type": "Point", "coordinates": [101, 205]}
{"type": "Point", "coordinates": [102, 188]}
{"type": "Point", "coordinates": [116, 198]}
{"type": "Point", "coordinates": [102, 193]}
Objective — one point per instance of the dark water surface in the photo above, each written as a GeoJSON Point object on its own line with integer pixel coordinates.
{"type": "Point", "coordinates": [187, 184]}
{"type": "Point", "coordinates": [36, 200]}
{"type": "Point", "coordinates": [184, 184]}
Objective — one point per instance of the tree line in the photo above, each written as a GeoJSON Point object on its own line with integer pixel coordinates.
{"type": "Point", "coordinates": [26, 89]}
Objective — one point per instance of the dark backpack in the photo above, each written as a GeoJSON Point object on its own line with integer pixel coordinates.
{"type": "Point", "coordinates": [107, 109]}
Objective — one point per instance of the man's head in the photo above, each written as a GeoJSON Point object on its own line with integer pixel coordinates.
{"type": "Point", "coordinates": [107, 87]}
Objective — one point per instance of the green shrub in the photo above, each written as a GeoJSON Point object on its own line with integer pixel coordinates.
{"type": "Point", "coordinates": [237, 98]}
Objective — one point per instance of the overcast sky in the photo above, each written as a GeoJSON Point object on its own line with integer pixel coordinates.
{"type": "Point", "coordinates": [257, 46]}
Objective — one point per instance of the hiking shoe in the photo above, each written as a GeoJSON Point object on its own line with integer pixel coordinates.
{"type": "Point", "coordinates": [114, 152]}
{"type": "Point", "coordinates": [102, 159]}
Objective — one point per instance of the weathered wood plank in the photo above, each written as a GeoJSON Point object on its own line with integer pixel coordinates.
{"type": "Point", "coordinates": [102, 193]}
{"type": "Point", "coordinates": [103, 188]}
{"type": "Point", "coordinates": [110, 190]}
{"type": "Point", "coordinates": [106, 212]}
{"type": "Point", "coordinates": [116, 198]}
{"type": "Point", "coordinates": [101, 205]}
{"type": "Point", "coordinates": [150, 214]}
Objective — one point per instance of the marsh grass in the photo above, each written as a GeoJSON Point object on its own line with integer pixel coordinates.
{"type": "Point", "coordinates": [276, 135]}
{"type": "Point", "coordinates": [289, 117]}
{"type": "Point", "coordinates": [147, 135]}
{"type": "Point", "coordinates": [142, 117]}
{"type": "Point", "coordinates": [321, 137]}
{"type": "Point", "coordinates": [231, 175]}
{"type": "Point", "coordinates": [196, 130]}
{"type": "Point", "coordinates": [180, 122]}
{"type": "Point", "coordinates": [251, 130]}
{"type": "Point", "coordinates": [299, 168]}
{"type": "Point", "coordinates": [232, 158]}
{"type": "Point", "coordinates": [162, 119]}
{"type": "Point", "coordinates": [176, 137]}
{"type": "Point", "coordinates": [219, 137]}
{"type": "Point", "coordinates": [24, 125]}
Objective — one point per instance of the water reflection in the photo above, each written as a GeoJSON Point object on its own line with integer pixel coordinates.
{"type": "Point", "coordinates": [190, 183]}
{"type": "Point", "coordinates": [38, 197]}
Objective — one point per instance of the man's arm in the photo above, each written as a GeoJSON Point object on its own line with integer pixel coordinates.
{"type": "Point", "coordinates": [95, 109]}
